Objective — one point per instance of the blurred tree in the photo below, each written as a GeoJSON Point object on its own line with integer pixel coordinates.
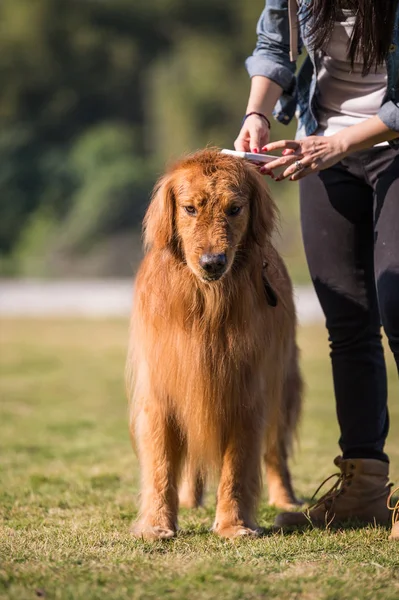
{"type": "Point", "coordinates": [18, 182]}
{"type": "Point", "coordinates": [112, 183]}
{"type": "Point", "coordinates": [96, 97]}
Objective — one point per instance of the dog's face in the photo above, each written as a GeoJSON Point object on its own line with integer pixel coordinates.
{"type": "Point", "coordinates": [211, 216]}
{"type": "Point", "coordinates": [210, 208]}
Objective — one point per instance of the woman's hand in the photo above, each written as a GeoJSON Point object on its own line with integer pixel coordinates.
{"type": "Point", "coordinates": [302, 157]}
{"type": "Point", "coordinates": [254, 134]}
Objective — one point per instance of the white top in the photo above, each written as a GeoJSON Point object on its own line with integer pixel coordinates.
{"type": "Point", "coordinates": [344, 97]}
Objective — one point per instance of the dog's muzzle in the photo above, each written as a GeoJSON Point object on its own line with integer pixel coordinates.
{"type": "Point", "coordinates": [213, 265]}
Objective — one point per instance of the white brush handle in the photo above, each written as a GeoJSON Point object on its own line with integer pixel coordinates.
{"type": "Point", "coordinates": [260, 158]}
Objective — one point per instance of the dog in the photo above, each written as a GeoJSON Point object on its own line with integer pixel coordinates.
{"type": "Point", "coordinates": [212, 367]}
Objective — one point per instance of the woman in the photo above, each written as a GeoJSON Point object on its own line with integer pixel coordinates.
{"type": "Point", "coordinates": [346, 158]}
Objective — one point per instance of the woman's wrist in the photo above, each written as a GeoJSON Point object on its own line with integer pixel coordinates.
{"type": "Point", "coordinates": [343, 141]}
{"type": "Point", "coordinates": [254, 113]}
{"type": "Point", "coordinates": [263, 96]}
{"type": "Point", "coordinates": [364, 135]}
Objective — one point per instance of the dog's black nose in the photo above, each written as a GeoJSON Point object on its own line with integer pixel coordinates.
{"type": "Point", "coordinates": [213, 264]}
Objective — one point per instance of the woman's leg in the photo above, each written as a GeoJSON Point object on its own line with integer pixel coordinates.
{"type": "Point", "coordinates": [384, 176]}
{"type": "Point", "coordinates": [337, 225]}
{"type": "Point", "coordinates": [338, 232]}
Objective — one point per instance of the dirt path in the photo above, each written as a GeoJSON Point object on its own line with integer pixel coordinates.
{"type": "Point", "coordinates": [98, 298]}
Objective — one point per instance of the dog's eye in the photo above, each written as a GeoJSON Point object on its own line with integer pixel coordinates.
{"type": "Point", "coordinates": [234, 210]}
{"type": "Point", "coordinates": [190, 210]}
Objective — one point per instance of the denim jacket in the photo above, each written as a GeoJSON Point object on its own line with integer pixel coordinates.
{"type": "Point", "coordinates": [271, 58]}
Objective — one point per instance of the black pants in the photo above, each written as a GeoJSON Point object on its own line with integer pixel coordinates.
{"type": "Point", "coordinates": [350, 224]}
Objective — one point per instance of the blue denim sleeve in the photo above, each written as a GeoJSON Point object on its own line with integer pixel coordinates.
{"type": "Point", "coordinates": [271, 55]}
{"type": "Point", "coordinates": [389, 115]}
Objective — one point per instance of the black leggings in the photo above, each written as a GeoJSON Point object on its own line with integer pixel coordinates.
{"type": "Point", "coordinates": [350, 224]}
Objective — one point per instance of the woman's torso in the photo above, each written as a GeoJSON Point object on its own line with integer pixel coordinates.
{"type": "Point", "coordinates": [313, 101]}
{"type": "Point", "coordinates": [344, 96]}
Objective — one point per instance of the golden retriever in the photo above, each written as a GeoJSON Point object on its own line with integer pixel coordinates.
{"type": "Point", "coordinates": [212, 368]}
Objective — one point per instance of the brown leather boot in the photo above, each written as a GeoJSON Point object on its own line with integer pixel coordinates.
{"type": "Point", "coordinates": [360, 492]}
{"type": "Point", "coordinates": [395, 516]}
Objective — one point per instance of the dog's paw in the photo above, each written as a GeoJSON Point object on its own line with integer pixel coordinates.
{"type": "Point", "coordinates": [157, 532]}
{"type": "Point", "coordinates": [237, 531]}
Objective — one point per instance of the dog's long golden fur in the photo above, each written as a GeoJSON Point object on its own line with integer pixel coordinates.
{"type": "Point", "coordinates": [212, 368]}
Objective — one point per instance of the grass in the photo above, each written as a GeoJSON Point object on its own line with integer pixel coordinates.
{"type": "Point", "coordinates": [68, 485]}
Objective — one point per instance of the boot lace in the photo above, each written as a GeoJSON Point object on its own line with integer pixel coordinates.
{"type": "Point", "coordinates": [394, 509]}
{"type": "Point", "coordinates": [328, 499]}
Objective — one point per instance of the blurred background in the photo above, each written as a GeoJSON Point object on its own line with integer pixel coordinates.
{"type": "Point", "coordinates": [97, 97]}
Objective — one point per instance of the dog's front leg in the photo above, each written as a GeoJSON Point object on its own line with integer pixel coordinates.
{"type": "Point", "coordinates": [160, 450]}
{"type": "Point", "coordinates": [240, 484]}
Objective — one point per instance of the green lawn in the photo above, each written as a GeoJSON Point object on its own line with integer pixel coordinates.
{"type": "Point", "coordinates": [68, 488]}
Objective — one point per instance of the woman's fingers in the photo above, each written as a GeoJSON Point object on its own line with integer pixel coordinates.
{"type": "Point", "coordinates": [302, 174]}
{"type": "Point", "coordinates": [284, 161]}
{"type": "Point", "coordinates": [258, 138]}
{"type": "Point", "coordinates": [280, 144]}
{"type": "Point", "coordinates": [250, 141]}
{"type": "Point", "coordinates": [253, 136]}
{"type": "Point", "coordinates": [299, 159]}
{"type": "Point", "coordinates": [240, 145]}
{"type": "Point", "coordinates": [313, 168]}
{"type": "Point", "coordinates": [297, 167]}
{"type": "Point", "coordinates": [242, 142]}
{"type": "Point", "coordinates": [291, 153]}
{"type": "Point", "coordinates": [300, 169]}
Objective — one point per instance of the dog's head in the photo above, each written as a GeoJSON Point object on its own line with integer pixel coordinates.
{"type": "Point", "coordinates": [210, 209]}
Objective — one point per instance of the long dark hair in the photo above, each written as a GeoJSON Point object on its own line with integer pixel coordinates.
{"type": "Point", "coordinates": [372, 32]}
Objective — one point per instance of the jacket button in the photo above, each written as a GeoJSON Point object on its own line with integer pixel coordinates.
{"type": "Point", "coordinates": [392, 48]}
{"type": "Point", "coordinates": [286, 118]}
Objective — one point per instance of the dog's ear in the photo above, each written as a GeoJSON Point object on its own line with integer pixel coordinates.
{"type": "Point", "coordinates": [159, 229]}
{"type": "Point", "coordinates": [263, 211]}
